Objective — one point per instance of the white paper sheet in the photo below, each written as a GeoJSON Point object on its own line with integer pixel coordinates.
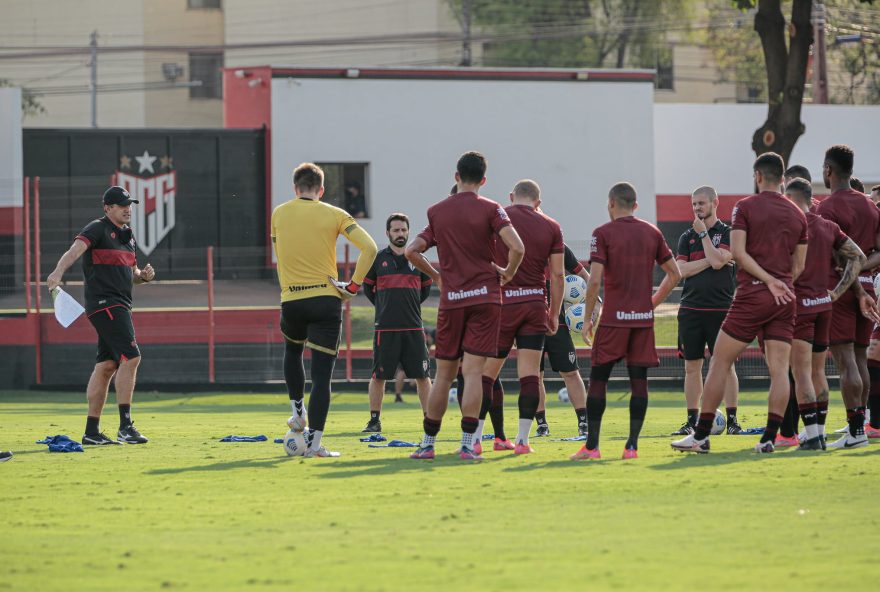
{"type": "Point", "coordinates": [67, 309]}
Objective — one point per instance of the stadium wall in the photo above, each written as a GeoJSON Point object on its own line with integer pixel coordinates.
{"type": "Point", "coordinates": [576, 132]}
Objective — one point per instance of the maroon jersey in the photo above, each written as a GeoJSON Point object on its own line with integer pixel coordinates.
{"type": "Point", "coordinates": [859, 219]}
{"type": "Point", "coordinates": [463, 228]}
{"type": "Point", "coordinates": [542, 237]}
{"type": "Point", "coordinates": [811, 285]}
{"type": "Point", "coordinates": [628, 248]}
{"type": "Point", "coordinates": [774, 227]}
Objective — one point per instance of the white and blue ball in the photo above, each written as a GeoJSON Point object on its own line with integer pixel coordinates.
{"type": "Point", "coordinates": [453, 395]}
{"type": "Point", "coordinates": [574, 318]}
{"type": "Point", "coordinates": [563, 395]}
{"type": "Point", "coordinates": [575, 291]}
{"type": "Point", "coordinates": [719, 424]}
{"type": "Point", "coordinates": [294, 443]}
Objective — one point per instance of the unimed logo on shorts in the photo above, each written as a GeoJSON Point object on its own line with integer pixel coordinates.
{"type": "Point", "coordinates": [464, 294]}
{"type": "Point", "coordinates": [153, 218]}
{"type": "Point", "coordinates": [517, 292]}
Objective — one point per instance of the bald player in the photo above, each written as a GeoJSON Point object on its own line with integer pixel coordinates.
{"type": "Point", "coordinates": [623, 253]}
{"type": "Point", "coordinates": [525, 318]}
{"type": "Point", "coordinates": [304, 233]}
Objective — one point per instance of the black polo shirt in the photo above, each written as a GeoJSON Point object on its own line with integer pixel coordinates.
{"type": "Point", "coordinates": [107, 264]}
{"type": "Point", "coordinates": [711, 289]}
{"type": "Point", "coordinates": [398, 290]}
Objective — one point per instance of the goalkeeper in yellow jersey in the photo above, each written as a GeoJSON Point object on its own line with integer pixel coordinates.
{"type": "Point", "coordinates": [304, 233]}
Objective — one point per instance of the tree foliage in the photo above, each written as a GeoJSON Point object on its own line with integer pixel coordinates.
{"type": "Point", "coordinates": [575, 33]}
{"type": "Point", "coordinates": [30, 103]}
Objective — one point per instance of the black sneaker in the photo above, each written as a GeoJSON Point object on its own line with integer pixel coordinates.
{"type": "Point", "coordinates": [686, 429]}
{"type": "Point", "coordinates": [398, 398]}
{"type": "Point", "coordinates": [582, 429]}
{"type": "Point", "coordinates": [542, 431]}
{"type": "Point", "coordinates": [130, 435]}
{"type": "Point", "coordinates": [812, 444]}
{"type": "Point", "coordinates": [734, 429]}
{"type": "Point", "coordinates": [97, 440]}
{"type": "Point", "coordinates": [373, 426]}
{"type": "Point", "coordinates": [4, 456]}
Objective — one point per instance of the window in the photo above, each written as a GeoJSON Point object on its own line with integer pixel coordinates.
{"type": "Point", "coordinates": [191, 4]}
{"type": "Point", "coordinates": [345, 186]}
{"type": "Point", "coordinates": [205, 67]}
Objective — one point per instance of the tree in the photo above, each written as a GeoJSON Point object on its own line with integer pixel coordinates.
{"type": "Point", "coordinates": [574, 33]}
{"type": "Point", "coordinates": [30, 104]}
{"type": "Point", "coordinates": [786, 66]}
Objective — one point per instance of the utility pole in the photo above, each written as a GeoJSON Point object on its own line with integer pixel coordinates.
{"type": "Point", "coordinates": [820, 60]}
{"type": "Point", "coordinates": [93, 83]}
{"type": "Point", "coordinates": [466, 29]}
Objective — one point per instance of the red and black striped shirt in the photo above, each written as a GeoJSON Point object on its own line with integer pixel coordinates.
{"type": "Point", "coordinates": [107, 264]}
{"type": "Point", "coordinates": [398, 290]}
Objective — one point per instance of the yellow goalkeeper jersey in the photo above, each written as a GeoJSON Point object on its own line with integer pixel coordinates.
{"type": "Point", "coordinates": [304, 232]}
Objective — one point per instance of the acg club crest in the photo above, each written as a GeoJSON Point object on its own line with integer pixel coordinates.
{"type": "Point", "coordinates": [153, 218]}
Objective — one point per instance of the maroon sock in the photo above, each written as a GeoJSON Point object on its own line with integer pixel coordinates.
{"type": "Point", "coordinates": [487, 397]}
{"type": "Point", "coordinates": [773, 423]}
{"type": "Point", "coordinates": [821, 412]}
{"type": "Point", "coordinates": [704, 425]}
{"type": "Point", "coordinates": [529, 394]}
{"type": "Point", "coordinates": [808, 413]}
{"type": "Point", "coordinates": [432, 426]}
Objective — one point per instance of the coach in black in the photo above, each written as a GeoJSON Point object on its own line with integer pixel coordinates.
{"type": "Point", "coordinates": [704, 260]}
{"type": "Point", "coordinates": [109, 270]}
{"type": "Point", "coordinates": [397, 289]}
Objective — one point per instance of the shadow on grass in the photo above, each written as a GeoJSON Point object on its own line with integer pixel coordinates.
{"type": "Point", "coordinates": [247, 463]}
{"type": "Point", "coordinates": [344, 469]}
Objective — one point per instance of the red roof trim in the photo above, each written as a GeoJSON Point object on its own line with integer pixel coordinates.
{"type": "Point", "coordinates": [468, 74]}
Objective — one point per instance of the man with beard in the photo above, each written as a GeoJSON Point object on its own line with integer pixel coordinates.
{"type": "Point", "coordinates": [397, 289]}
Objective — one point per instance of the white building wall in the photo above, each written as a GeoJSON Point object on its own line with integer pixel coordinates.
{"type": "Point", "coordinates": [711, 144]}
{"type": "Point", "coordinates": [11, 168]}
{"type": "Point", "coordinates": [576, 139]}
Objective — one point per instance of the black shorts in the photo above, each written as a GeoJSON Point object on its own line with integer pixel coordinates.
{"type": "Point", "coordinates": [406, 349]}
{"type": "Point", "coordinates": [560, 349]}
{"type": "Point", "coordinates": [315, 322]}
{"type": "Point", "coordinates": [697, 330]}
{"type": "Point", "coordinates": [116, 340]}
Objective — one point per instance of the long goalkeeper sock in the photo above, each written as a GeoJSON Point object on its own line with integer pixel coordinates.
{"type": "Point", "coordinates": [294, 375]}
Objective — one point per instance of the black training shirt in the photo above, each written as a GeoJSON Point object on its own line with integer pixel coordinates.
{"type": "Point", "coordinates": [398, 290]}
{"type": "Point", "coordinates": [107, 264]}
{"type": "Point", "coordinates": [711, 289]}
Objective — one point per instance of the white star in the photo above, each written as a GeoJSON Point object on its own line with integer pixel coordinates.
{"type": "Point", "coordinates": [145, 162]}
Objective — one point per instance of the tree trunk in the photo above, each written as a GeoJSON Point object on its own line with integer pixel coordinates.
{"type": "Point", "coordinates": [786, 74]}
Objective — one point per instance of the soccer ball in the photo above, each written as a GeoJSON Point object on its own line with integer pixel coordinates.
{"type": "Point", "coordinates": [574, 318]}
{"type": "Point", "coordinates": [719, 423]}
{"type": "Point", "coordinates": [297, 423]}
{"type": "Point", "coordinates": [563, 395]}
{"type": "Point", "coordinates": [294, 443]}
{"type": "Point", "coordinates": [453, 395]}
{"type": "Point", "coordinates": [877, 284]}
{"type": "Point", "coordinates": [575, 290]}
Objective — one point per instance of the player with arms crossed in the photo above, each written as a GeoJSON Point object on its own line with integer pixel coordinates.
{"type": "Point", "coordinates": [109, 271]}
{"type": "Point", "coordinates": [623, 253]}
{"type": "Point", "coordinates": [397, 289]}
{"type": "Point", "coordinates": [304, 232]}
{"type": "Point", "coordinates": [769, 244]}
{"type": "Point", "coordinates": [463, 227]}
{"type": "Point", "coordinates": [852, 314]}
{"type": "Point", "coordinates": [524, 313]}
{"type": "Point", "coordinates": [813, 321]}
{"type": "Point", "coordinates": [704, 260]}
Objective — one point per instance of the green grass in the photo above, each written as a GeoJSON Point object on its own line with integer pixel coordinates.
{"type": "Point", "coordinates": [665, 327]}
{"type": "Point", "coordinates": [186, 512]}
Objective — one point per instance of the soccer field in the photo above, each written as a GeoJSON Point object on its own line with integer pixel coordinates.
{"type": "Point", "coordinates": [188, 512]}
